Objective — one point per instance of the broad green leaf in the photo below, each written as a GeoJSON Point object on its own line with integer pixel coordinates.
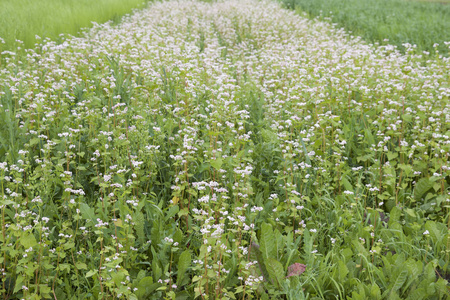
{"type": "Point", "coordinates": [183, 212]}
{"type": "Point", "coordinates": [69, 245]}
{"type": "Point", "coordinates": [18, 285]}
{"type": "Point", "coordinates": [308, 160]}
{"type": "Point", "coordinates": [91, 273]}
{"type": "Point", "coordinates": [421, 187]}
{"type": "Point", "coordinates": [267, 241]}
{"type": "Point", "coordinates": [117, 277]}
{"type": "Point", "coordinates": [400, 280]}
{"type": "Point", "coordinates": [418, 294]}
{"type": "Point", "coordinates": [28, 241]}
{"type": "Point", "coordinates": [342, 271]}
{"type": "Point", "coordinates": [216, 163]}
{"type": "Point", "coordinates": [347, 185]}
{"type": "Point", "coordinates": [183, 295]}
{"type": "Point", "coordinates": [394, 215]}
{"type": "Point", "coordinates": [279, 242]}
{"type": "Point", "coordinates": [178, 236]}
{"type": "Point", "coordinates": [88, 213]}
{"type": "Point", "coordinates": [34, 141]}
{"type": "Point", "coordinates": [183, 264]}
{"type": "Point", "coordinates": [410, 212]}
{"type": "Point", "coordinates": [80, 266]}
{"type": "Point", "coordinates": [145, 287]}
{"type": "Point", "coordinates": [275, 270]}
{"type": "Point", "coordinates": [139, 223]}
{"type": "Point", "coordinates": [392, 155]}
{"type": "Point", "coordinates": [369, 137]}
{"type": "Point", "coordinates": [132, 297]}
{"type": "Point", "coordinates": [394, 296]}
{"type": "Point", "coordinates": [435, 233]}
{"type": "Point", "coordinates": [173, 210]}
{"type": "Point", "coordinates": [375, 292]}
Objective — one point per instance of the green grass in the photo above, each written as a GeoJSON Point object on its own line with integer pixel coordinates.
{"type": "Point", "coordinates": [24, 19]}
{"type": "Point", "coordinates": [398, 21]}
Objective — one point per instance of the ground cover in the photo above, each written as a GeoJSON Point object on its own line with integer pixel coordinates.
{"type": "Point", "coordinates": [22, 20]}
{"type": "Point", "coordinates": [425, 24]}
{"type": "Point", "coordinates": [231, 150]}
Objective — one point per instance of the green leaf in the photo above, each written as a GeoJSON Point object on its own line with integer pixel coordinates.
{"type": "Point", "coordinates": [347, 185]}
{"type": "Point", "coordinates": [400, 280]}
{"type": "Point", "coordinates": [81, 266]}
{"type": "Point", "coordinates": [342, 271]}
{"type": "Point", "coordinates": [279, 242]}
{"type": "Point", "coordinates": [178, 236]}
{"type": "Point", "coordinates": [392, 155]}
{"type": "Point", "coordinates": [28, 241]}
{"type": "Point", "coordinates": [183, 212]}
{"type": "Point", "coordinates": [394, 215]}
{"type": "Point", "coordinates": [132, 297]}
{"type": "Point", "coordinates": [267, 241]}
{"type": "Point", "coordinates": [145, 287]}
{"type": "Point", "coordinates": [275, 269]}
{"type": "Point", "coordinates": [69, 245]}
{"type": "Point", "coordinates": [216, 163]}
{"type": "Point", "coordinates": [173, 210]}
{"type": "Point", "coordinates": [91, 273]}
{"type": "Point", "coordinates": [183, 264]}
{"type": "Point", "coordinates": [369, 137]}
{"type": "Point", "coordinates": [117, 277]}
{"type": "Point", "coordinates": [34, 141]}
{"type": "Point", "coordinates": [18, 285]}
{"type": "Point", "coordinates": [183, 295]}
{"type": "Point", "coordinates": [418, 294]}
{"type": "Point", "coordinates": [410, 212]}
{"type": "Point", "coordinates": [139, 222]}
{"type": "Point", "coordinates": [375, 291]}
{"type": "Point", "coordinates": [88, 213]}
{"type": "Point", "coordinates": [435, 233]}
{"type": "Point", "coordinates": [422, 187]}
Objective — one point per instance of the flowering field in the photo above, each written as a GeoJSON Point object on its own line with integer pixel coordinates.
{"type": "Point", "coordinates": [231, 150]}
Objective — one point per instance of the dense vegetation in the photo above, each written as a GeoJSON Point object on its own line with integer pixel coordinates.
{"type": "Point", "coordinates": [25, 22]}
{"type": "Point", "coordinates": [231, 150]}
{"type": "Point", "coordinates": [393, 22]}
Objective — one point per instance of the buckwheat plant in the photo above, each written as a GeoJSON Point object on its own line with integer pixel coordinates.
{"type": "Point", "coordinates": [201, 150]}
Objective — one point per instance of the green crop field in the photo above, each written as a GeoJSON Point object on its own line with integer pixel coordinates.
{"type": "Point", "coordinates": [425, 24]}
{"type": "Point", "coordinates": [223, 150]}
{"type": "Point", "coordinates": [23, 20]}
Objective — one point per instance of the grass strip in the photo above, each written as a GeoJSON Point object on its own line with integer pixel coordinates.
{"type": "Point", "coordinates": [24, 19]}
{"type": "Point", "coordinates": [395, 22]}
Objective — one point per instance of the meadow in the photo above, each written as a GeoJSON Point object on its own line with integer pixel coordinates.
{"type": "Point", "coordinates": [423, 23]}
{"type": "Point", "coordinates": [224, 150]}
{"type": "Point", "coordinates": [25, 22]}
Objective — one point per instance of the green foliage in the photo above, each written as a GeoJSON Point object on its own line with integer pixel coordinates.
{"type": "Point", "coordinates": [223, 150]}
{"type": "Point", "coordinates": [394, 22]}
{"type": "Point", "coordinates": [22, 20]}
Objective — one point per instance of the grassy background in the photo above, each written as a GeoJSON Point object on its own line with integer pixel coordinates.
{"type": "Point", "coordinates": [24, 19]}
{"type": "Point", "coordinates": [415, 22]}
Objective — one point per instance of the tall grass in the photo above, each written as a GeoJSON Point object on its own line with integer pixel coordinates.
{"type": "Point", "coordinates": [24, 19]}
{"type": "Point", "coordinates": [394, 22]}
